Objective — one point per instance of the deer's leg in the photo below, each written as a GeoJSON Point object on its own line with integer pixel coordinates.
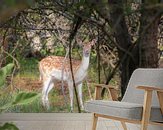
{"type": "Point", "coordinates": [71, 89]}
{"type": "Point", "coordinates": [80, 95]}
{"type": "Point", "coordinates": [46, 83]}
{"type": "Point", "coordinates": [47, 92]}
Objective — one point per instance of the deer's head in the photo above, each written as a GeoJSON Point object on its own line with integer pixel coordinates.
{"type": "Point", "coordinates": [87, 46]}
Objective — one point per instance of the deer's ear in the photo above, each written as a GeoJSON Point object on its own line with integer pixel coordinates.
{"type": "Point", "coordinates": [79, 42]}
{"type": "Point", "coordinates": [93, 42]}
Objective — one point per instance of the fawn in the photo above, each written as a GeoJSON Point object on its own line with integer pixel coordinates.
{"type": "Point", "coordinates": [55, 68]}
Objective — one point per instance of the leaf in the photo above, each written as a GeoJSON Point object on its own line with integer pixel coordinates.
{"type": "Point", "coordinates": [8, 126]}
{"type": "Point", "coordinates": [22, 98]}
{"type": "Point", "coordinates": [25, 98]}
{"type": "Point", "coordinates": [4, 72]}
{"type": "Point", "coordinates": [9, 68]}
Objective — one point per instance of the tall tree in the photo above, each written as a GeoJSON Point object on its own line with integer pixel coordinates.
{"type": "Point", "coordinates": [143, 52]}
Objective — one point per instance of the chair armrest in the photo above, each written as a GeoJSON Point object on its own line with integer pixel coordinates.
{"type": "Point", "coordinates": [98, 89]}
{"type": "Point", "coordinates": [101, 85]}
{"type": "Point", "coordinates": [147, 88]}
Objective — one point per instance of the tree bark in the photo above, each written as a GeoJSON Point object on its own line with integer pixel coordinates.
{"type": "Point", "coordinates": [145, 52]}
{"type": "Point", "coordinates": [122, 36]}
{"type": "Point", "coordinates": [112, 12]}
{"type": "Point", "coordinates": [148, 51]}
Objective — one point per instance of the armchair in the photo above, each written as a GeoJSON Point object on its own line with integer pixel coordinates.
{"type": "Point", "coordinates": [141, 104]}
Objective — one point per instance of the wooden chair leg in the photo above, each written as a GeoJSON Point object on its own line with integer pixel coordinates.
{"type": "Point", "coordinates": [146, 110]}
{"type": "Point", "coordinates": [160, 98]}
{"type": "Point", "coordinates": [94, 123]}
{"type": "Point", "coordinates": [124, 125]}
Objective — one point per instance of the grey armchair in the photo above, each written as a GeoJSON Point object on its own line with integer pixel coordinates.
{"type": "Point", "coordinates": [141, 104]}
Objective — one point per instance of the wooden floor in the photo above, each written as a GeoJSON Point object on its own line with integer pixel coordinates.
{"type": "Point", "coordinates": [57, 121]}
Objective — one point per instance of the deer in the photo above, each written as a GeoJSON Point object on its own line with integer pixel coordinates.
{"type": "Point", "coordinates": [56, 68]}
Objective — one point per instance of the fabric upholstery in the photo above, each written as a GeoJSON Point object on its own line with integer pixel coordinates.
{"type": "Point", "coordinates": [143, 77]}
{"type": "Point", "coordinates": [125, 110]}
{"type": "Point", "coordinates": [131, 105]}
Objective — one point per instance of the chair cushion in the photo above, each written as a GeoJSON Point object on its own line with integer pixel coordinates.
{"type": "Point", "coordinates": [125, 110]}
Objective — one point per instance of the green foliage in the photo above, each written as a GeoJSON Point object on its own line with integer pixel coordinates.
{"type": "Point", "coordinates": [59, 50]}
{"type": "Point", "coordinates": [25, 98]}
{"type": "Point", "coordinates": [8, 126]}
{"type": "Point", "coordinates": [128, 9]}
{"type": "Point", "coordinates": [10, 2]}
{"type": "Point", "coordinates": [15, 2]}
{"type": "Point", "coordinates": [4, 72]}
{"type": "Point", "coordinates": [28, 67]}
{"type": "Point", "coordinates": [21, 98]}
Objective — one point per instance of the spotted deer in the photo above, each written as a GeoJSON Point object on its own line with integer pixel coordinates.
{"type": "Point", "coordinates": [55, 68]}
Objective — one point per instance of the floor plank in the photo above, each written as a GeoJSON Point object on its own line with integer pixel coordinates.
{"type": "Point", "coordinates": [57, 121]}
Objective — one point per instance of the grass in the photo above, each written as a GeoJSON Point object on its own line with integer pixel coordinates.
{"type": "Point", "coordinates": [55, 97]}
{"type": "Point", "coordinates": [28, 80]}
{"type": "Point", "coordinates": [29, 68]}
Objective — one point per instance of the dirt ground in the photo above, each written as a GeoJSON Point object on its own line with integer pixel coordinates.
{"type": "Point", "coordinates": [24, 83]}
{"type": "Point", "coordinates": [29, 84]}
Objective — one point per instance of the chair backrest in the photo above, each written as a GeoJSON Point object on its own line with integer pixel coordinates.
{"type": "Point", "coordinates": [143, 77]}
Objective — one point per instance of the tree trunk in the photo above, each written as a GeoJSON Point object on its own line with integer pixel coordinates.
{"type": "Point", "coordinates": [148, 51]}
{"type": "Point", "coordinates": [122, 36]}
{"type": "Point", "coordinates": [145, 52]}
